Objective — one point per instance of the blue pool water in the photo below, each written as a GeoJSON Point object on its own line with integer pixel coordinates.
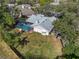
{"type": "Point", "coordinates": [23, 26]}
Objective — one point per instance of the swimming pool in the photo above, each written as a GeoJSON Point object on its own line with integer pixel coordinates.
{"type": "Point", "coordinates": [23, 26]}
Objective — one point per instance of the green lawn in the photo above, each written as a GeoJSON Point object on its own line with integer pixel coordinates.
{"type": "Point", "coordinates": [5, 51]}
{"type": "Point", "coordinates": [39, 47]}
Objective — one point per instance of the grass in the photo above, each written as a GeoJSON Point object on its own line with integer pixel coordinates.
{"type": "Point", "coordinates": [6, 52]}
{"type": "Point", "coordinates": [40, 47]}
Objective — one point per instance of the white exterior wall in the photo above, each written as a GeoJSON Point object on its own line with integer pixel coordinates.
{"type": "Point", "coordinates": [41, 30]}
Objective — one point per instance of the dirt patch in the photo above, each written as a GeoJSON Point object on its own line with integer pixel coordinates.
{"type": "Point", "coordinates": [56, 44]}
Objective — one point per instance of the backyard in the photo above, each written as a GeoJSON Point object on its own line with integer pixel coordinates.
{"type": "Point", "coordinates": [40, 47]}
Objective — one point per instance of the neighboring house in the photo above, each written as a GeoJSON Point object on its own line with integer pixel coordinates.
{"type": "Point", "coordinates": [58, 2]}
{"type": "Point", "coordinates": [41, 24]}
{"type": "Point", "coordinates": [55, 2]}
{"type": "Point", "coordinates": [37, 5]}
{"type": "Point", "coordinates": [10, 5]}
{"type": "Point", "coordinates": [10, 8]}
{"type": "Point", "coordinates": [25, 10]}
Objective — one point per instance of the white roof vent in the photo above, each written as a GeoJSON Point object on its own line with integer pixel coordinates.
{"type": "Point", "coordinates": [23, 6]}
{"type": "Point", "coordinates": [37, 22]}
{"type": "Point", "coordinates": [29, 7]}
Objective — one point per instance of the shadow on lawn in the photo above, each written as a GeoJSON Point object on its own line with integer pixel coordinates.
{"type": "Point", "coordinates": [36, 57]}
{"type": "Point", "coordinates": [28, 57]}
{"type": "Point", "coordinates": [17, 53]}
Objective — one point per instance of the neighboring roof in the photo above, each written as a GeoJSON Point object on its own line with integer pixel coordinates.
{"type": "Point", "coordinates": [27, 12]}
{"type": "Point", "coordinates": [41, 20]}
{"type": "Point", "coordinates": [23, 5]}
{"type": "Point", "coordinates": [25, 9]}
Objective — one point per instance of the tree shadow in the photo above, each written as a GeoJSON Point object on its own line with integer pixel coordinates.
{"type": "Point", "coordinates": [37, 57]}
{"type": "Point", "coordinates": [17, 53]}
{"type": "Point", "coordinates": [71, 56]}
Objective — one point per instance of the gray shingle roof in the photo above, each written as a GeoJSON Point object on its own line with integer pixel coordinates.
{"type": "Point", "coordinates": [27, 12]}
{"type": "Point", "coordinates": [25, 9]}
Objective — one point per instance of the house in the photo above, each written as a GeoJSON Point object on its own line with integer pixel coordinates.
{"type": "Point", "coordinates": [25, 10]}
{"type": "Point", "coordinates": [41, 24]}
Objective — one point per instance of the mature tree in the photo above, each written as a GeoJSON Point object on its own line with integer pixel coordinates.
{"type": "Point", "coordinates": [67, 25]}
{"type": "Point", "coordinates": [44, 2]}
{"type": "Point", "coordinates": [8, 19]}
{"type": "Point", "coordinates": [11, 38]}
